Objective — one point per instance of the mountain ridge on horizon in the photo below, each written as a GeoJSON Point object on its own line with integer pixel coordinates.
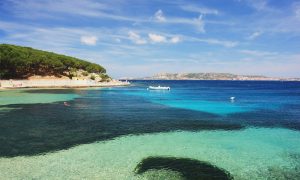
{"type": "Point", "coordinates": [211, 76]}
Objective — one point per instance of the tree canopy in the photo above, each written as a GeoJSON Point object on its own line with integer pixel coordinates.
{"type": "Point", "coordinates": [23, 62]}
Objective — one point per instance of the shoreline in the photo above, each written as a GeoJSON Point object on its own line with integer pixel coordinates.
{"type": "Point", "coordinates": [57, 83]}
{"type": "Point", "coordinates": [270, 80]}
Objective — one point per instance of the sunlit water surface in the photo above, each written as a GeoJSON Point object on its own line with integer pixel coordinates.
{"type": "Point", "coordinates": [106, 133]}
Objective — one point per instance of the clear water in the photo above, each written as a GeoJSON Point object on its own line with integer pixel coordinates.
{"type": "Point", "coordinates": [8, 97]}
{"type": "Point", "coordinates": [105, 133]}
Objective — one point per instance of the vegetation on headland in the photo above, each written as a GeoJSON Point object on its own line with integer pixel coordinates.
{"type": "Point", "coordinates": [17, 62]}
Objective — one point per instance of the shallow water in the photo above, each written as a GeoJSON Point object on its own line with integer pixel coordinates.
{"type": "Point", "coordinates": [106, 132]}
{"type": "Point", "coordinates": [248, 154]}
{"type": "Point", "coordinates": [24, 96]}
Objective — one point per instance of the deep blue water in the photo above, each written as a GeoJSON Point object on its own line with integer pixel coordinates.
{"type": "Point", "coordinates": [257, 103]}
{"type": "Point", "coordinates": [102, 114]}
{"type": "Point", "coordinates": [194, 118]}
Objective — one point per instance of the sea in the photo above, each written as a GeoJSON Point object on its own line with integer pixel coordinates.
{"type": "Point", "coordinates": [195, 130]}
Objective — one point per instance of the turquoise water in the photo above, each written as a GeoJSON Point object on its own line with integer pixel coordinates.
{"type": "Point", "coordinates": [209, 99]}
{"type": "Point", "coordinates": [248, 154]}
{"type": "Point", "coordinates": [105, 133]}
{"type": "Point", "coordinates": [220, 108]}
{"type": "Point", "coordinates": [8, 97]}
{"type": "Point", "coordinates": [166, 98]}
{"type": "Point", "coordinates": [170, 99]}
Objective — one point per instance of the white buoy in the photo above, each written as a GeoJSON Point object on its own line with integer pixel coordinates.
{"type": "Point", "coordinates": [232, 98]}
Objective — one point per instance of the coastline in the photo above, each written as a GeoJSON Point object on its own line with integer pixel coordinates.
{"type": "Point", "coordinates": [57, 83]}
{"type": "Point", "coordinates": [216, 76]}
{"type": "Point", "coordinates": [270, 80]}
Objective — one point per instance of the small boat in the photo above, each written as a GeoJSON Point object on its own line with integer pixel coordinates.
{"type": "Point", "coordinates": [232, 98]}
{"type": "Point", "coordinates": [159, 88]}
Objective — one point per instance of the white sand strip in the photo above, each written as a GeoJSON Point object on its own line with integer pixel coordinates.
{"type": "Point", "coordinates": [66, 83]}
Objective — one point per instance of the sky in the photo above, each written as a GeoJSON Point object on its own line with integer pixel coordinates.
{"type": "Point", "coordinates": [138, 38]}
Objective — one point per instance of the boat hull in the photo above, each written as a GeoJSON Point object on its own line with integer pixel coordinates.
{"type": "Point", "coordinates": [158, 88]}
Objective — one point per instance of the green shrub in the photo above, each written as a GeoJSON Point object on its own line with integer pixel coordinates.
{"type": "Point", "coordinates": [22, 62]}
{"type": "Point", "coordinates": [93, 77]}
{"type": "Point", "coordinates": [85, 73]}
{"type": "Point", "coordinates": [104, 77]}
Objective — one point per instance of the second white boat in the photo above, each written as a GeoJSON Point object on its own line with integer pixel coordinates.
{"type": "Point", "coordinates": [159, 88]}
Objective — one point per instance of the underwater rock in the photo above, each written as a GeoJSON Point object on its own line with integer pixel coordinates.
{"type": "Point", "coordinates": [187, 168]}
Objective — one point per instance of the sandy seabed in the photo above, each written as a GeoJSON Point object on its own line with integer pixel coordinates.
{"type": "Point", "coordinates": [253, 153]}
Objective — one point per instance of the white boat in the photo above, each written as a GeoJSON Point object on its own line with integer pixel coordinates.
{"type": "Point", "coordinates": [158, 88]}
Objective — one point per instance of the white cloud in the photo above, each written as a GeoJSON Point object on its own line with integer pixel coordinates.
{"type": "Point", "coordinates": [200, 10]}
{"type": "Point", "coordinates": [155, 38]}
{"type": "Point", "coordinates": [200, 24]}
{"type": "Point", "coordinates": [224, 43]}
{"type": "Point", "coordinates": [159, 16]}
{"type": "Point", "coordinates": [255, 35]}
{"type": "Point", "coordinates": [175, 39]}
{"type": "Point", "coordinates": [89, 8]}
{"type": "Point", "coordinates": [296, 7]}
{"type": "Point", "coordinates": [258, 53]}
{"type": "Point", "coordinates": [89, 40]}
{"type": "Point", "coordinates": [220, 42]}
{"type": "Point", "coordinates": [136, 38]}
{"type": "Point", "coordinates": [92, 8]}
{"type": "Point", "coordinates": [256, 4]}
{"type": "Point", "coordinates": [197, 22]}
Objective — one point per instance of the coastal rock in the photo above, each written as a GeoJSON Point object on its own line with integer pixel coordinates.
{"type": "Point", "coordinates": [189, 169]}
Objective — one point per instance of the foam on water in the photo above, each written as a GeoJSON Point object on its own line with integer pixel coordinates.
{"type": "Point", "coordinates": [248, 154]}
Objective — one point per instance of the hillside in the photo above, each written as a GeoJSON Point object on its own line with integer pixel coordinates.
{"type": "Point", "coordinates": [17, 62]}
{"type": "Point", "coordinates": [211, 76]}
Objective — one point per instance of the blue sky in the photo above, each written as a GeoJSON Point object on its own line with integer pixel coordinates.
{"type": "Point", "coordinates": [137, 38]}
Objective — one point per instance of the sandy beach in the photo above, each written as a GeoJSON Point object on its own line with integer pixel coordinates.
{"type": "Point", "coordinates": [57, 83]}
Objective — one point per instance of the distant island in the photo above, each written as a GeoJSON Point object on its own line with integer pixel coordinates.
{"type": "Point", "coordinates": [28, 67]}
{"type": "Point", "coordinates": [214, 76]}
